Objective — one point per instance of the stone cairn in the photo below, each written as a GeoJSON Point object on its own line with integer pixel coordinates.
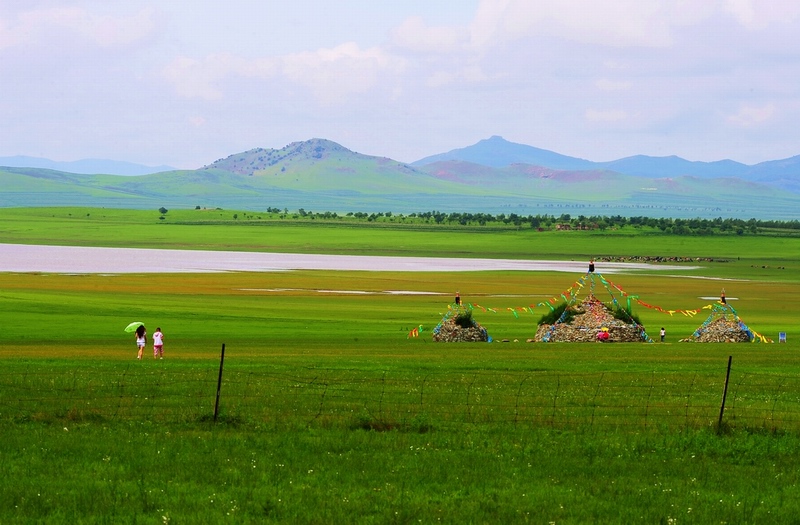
{"type": "Point", "coordinates": [725, 328]}
{"type": "Point", "coordinates": [590, 317]}
{"type": "Point", "coordinates": [450, 331]}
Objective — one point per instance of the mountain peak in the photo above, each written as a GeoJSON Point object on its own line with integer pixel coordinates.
{"type": "Point", "coordinates": [251, 161]}
{"type": "Point", "coordinates": [317, 148]}
{"type": "Point", "coordinates": [497, 152]}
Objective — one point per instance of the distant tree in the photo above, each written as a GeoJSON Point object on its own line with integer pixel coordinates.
{"type": "Point", "coordinates": [162, 210]}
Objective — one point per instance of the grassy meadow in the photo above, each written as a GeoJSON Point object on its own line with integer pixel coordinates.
{"type": "Point", "coordinates": [330, 413]}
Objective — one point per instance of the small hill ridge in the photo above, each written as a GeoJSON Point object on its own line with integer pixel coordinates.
{"type": "Point", "coordinates": [258, 159]}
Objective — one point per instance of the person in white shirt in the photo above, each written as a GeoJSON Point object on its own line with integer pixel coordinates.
{"type": "Point", "coordinates": [158, 344]}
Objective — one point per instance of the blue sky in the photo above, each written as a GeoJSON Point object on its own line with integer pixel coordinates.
{"type": "Point", "coordinates": [187, 82]}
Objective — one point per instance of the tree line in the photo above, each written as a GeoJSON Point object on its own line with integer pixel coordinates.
{"type": "Point", "coordinates": [566, 221]}
{"type": "Point", "coordinates": [697, 226]}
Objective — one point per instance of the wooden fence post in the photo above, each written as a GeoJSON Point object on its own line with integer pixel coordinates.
{"type": "Point", "coordinates": [724, 395]}
{"type": "Point", "coordinates": [219, 382]}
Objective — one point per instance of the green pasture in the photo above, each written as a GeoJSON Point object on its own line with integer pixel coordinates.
{"type": "Point", "coordinates": [362, 312]}
{"type": "Point", "coordinates": [330, 413]}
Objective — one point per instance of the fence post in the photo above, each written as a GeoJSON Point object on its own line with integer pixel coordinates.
{"type": "Point", "coordinates": [219, 382]}
{"type": "Point", "coordinates": [724, 395]}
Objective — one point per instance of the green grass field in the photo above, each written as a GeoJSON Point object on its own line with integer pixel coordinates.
{"type": "Point", "coordinates": [329, 413]}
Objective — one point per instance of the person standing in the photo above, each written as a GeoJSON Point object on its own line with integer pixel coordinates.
{"type": "Point", "coordinates": [458, 299]}
{"type": "Point", "coordinates": [141, 339]}
{"type": "Point", "coordinates": [591, 266]}
{"type": "Point", "coordinates": [158, 344]}
{"type": "Point", "coordinates": [663, 334]}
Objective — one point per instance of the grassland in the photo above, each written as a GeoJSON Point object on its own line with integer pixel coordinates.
{"type": "Point", "coordinates": [238, 230]}
{"type": "Point", "coordinates": [91, 435]}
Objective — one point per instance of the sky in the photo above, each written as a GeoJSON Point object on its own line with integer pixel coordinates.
{"type": "Point", "coordinates": [186, 82]}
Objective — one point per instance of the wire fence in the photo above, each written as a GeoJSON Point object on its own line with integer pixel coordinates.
{"type": "Point", "coordinates": [402, 399]}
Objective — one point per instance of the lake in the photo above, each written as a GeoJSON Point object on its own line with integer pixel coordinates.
{"type": "Point", "coordinates": [23, 258]}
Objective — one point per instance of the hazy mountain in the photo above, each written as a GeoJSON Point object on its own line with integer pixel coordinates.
{"type": "Point", "coordinates": [672, 166]}
{"type": "Point", "coordinates": [85, 166]}
{"type": "Point", "coordinates": [498, 153]}
{"type": "Point", "coordinates": [320, 175]}
{"type": "Point", "coordinates": [784, 173]}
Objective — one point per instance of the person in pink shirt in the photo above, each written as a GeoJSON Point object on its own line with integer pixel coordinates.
{"type": "Point", "coordinates": [158, 344]}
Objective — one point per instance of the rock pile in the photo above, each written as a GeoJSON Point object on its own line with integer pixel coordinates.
{"type": "Point", "coordinates": [590, 317]}
{"type": "Point", "coordinates": [449, 331]}
{"type": "Point", "coordinates": [720, 330]}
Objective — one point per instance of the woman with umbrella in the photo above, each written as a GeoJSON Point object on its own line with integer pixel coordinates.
{"type": "Point", "coordinates": [141, 339]}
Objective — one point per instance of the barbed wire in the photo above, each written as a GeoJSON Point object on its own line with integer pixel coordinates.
{"type": "Point", "coordinates": [400, 399]}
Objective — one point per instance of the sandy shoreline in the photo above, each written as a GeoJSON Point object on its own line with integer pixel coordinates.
{"type": "Point", "coordinates": [23, 258]}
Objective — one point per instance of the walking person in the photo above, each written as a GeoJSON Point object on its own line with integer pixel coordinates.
{"type": "Point", "coordinates": [141, 340]}
{"type": "Point", "coordinates": [158, 344]}
{"type": "Point", "coordinates": [663, 334]}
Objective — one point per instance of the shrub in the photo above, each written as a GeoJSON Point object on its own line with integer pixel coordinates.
{"type": "Point", "coordinates": [624, 315]}
{"type": "Point", "coordinates": [554, 315]}
{"type": "Point", "coordinates": [464, 319]}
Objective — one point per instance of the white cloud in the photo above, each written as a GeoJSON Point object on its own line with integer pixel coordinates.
{"type": "Point", "coordinates": [605, 84]}
{"type": "Point", "coordinates": [40, 26]}
{"type": "Point", "coordinates": [201, 79]}
{"type": "Point", "coordinates": [440, 78]}
{"type": "Point", "coordinates": [756, 16]}
{"type": "Point", "coordinates": [334, 74]}
{"type": "Point", "coordinates": [609, 115]}
{"type": "Point", "coordinates": [414, 35]}
{"type": "Point", "coordinates": [750, 116]}
{"type": "Point", "coordinates": [474, 73]}
{"type": "Point", "coordinates": [609, 77]}
{"type": "Point", "coordinates": [330, 74]}
{"type": "Point", "coordinates": [617, 23]}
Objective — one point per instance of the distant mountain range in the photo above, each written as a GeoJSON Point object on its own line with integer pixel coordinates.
{"type": "Point", "coordinates": [497, 152]}
{"type": "Point", "coordinates": [492, 176]}
{"type": "Point", "coordinates": [84, 166]}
